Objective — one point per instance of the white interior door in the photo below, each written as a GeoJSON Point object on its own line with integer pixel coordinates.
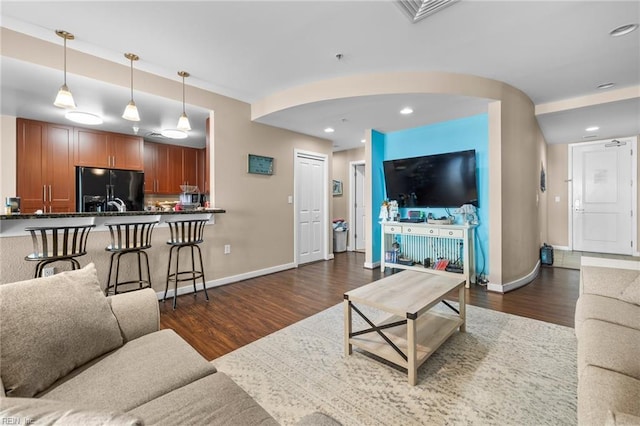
{"type": "Point", "coordinates": [311, 225]}
{"type": "Point", "coordinates": [602, 193]}
{"type": "Point", "coordinates": [359, 207]}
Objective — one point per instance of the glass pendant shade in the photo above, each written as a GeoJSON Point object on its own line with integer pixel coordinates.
{"type": "Point", "coordinates": [183, 123]}
{"type": "Point", "coordinates": [131, 112]}
{"type": "Point", "coordinates": [64, 98]}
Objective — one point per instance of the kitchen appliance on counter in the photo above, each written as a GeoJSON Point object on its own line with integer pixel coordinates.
{"type": "Point", "coordinates": [14, 203]}
{"type": "Point", "coordinates": [190, 197]}
{"type": "Point", "coordinates": [109, 190]}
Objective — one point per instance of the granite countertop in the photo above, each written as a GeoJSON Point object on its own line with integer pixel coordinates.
{"type": "Point", "coordinates": [107, 214]}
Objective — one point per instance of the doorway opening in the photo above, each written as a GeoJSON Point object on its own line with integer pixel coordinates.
{"type": "Point", "coordinates": [357, 207]}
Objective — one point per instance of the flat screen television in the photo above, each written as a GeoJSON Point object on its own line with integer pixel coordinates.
{"type": "Point", "coordinates": [441, 180]}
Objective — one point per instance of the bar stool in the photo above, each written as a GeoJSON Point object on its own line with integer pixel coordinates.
{"type": "Point", "coordinates": [185, 233]}
{"type": "Point", "coordinates": [129, 238]}
{"type": "Point", "coordinates": [57, 243]}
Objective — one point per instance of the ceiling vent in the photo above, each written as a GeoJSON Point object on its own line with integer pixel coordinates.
{"type": "Point", "coordinates": [417, 10]}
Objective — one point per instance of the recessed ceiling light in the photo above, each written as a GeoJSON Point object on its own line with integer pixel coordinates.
{"type": "Point", "coordinates": [174, 134]}
{"type": "Point", "coordinates": [83, 118]}
{"type": "Point", "coordinates": [329, 130]}
{"type": "Point", "coordinates": [606, 85]}
{"type": "Point", "coordinates": [406, 110]}
{"type": "Point", "coordinates": [623, 30]}
{"type": "Point", "coordinates": [592, 128]}
{"type": "Point", "coordinates": [363, 140]}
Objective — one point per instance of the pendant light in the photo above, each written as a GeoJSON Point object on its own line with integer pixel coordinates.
{"type": "Point", "coordinates": [131, 111]}
{"type": "Point", "coordinates": [183, 121]}
{"type": "Point", "coordinates": [64, 99]}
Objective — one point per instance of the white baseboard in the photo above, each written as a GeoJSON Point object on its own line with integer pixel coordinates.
{"type": "Point", "coordinates": [228, 280]}
{"type": "Point", "coordinates": [370, 265]}
{"type": "Point", "coordinates": [504, 288]}
{"type": "Point", "coordinates": [330, 256]}
{"type": "Point", "coordinates": [563, 248]}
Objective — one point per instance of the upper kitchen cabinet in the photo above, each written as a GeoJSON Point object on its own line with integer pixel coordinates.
{"type": "Point", "coordinates": [45, 172]}
{"type": "Point", "coordinates": [190, 167]}
{"type": "Point", "coordinates": [166, 167]}
{"type": "Point", "coordinates": [109, 150]}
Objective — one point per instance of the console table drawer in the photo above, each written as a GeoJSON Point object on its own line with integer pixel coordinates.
{"type": "Point", "coordinates": [419, 230]}
{"type": "Point", "coordinates": [392, 229]}
{"type": "Point", "coordinates": [452, 233]}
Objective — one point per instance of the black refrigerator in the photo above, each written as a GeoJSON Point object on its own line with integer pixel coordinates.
{"type": "Point", "coordinates": [95, 188]}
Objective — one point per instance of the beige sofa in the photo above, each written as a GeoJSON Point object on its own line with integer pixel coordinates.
{"type": "Point", "coordinates": [69, 355]}
{"type": "Point", "coordinates": [608, 330]}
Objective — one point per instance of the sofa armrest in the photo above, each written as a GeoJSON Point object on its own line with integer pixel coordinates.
{"type": "Point", "coordinates": [137, 313]}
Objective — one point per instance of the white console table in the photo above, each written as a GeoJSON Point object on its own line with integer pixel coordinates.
{"type": "Point", "coordinates": [419, 241]}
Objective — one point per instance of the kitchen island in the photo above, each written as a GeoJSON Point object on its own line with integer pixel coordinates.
{"type": "Point", "coordinates": [15, 243]}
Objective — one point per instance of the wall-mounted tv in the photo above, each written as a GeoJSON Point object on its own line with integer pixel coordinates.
{"type": "Point", "coordinates": [442, 180]}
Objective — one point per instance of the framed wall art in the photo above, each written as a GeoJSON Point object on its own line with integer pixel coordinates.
{"type": "Point", "coordinates": [260, 165]}
{"type": "Point", "coordinates": [337, 187]}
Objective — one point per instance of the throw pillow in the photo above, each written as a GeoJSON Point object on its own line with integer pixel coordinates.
{"type": "Point", "coordinates": [631, 293]}
{"type": "Point", "coordinates": [25, 411]}
{"type": "Point", "coordinates": [51, 326]}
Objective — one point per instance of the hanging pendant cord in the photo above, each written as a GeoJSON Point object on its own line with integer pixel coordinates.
{"type": "Point", "coordinates": [183, 110]}
{"type": "Point", "coordinates": [132, 79]}
{"type": "Point", "coordinates": [65, 61]}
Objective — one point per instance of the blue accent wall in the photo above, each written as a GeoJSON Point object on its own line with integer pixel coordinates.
{"type": "Point", "coordinates": [377, 182]}
{"type": "Point", "coordinates": [449, 136]}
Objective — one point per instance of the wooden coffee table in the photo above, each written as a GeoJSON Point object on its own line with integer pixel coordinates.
{"type": "Point", "coordinates": [411, 333]}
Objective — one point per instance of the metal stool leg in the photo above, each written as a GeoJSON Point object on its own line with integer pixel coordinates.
{"type": "Point", "coordinates": [175, 287]}
{"type": "Point", "coordinates": [193, 273]}
{"type": "Point", "coordinates": [139, 270]}
{"type": "Point", "coordinates": [204, 283]}
{"type": "Point", "coordinates": [106, 291]}
{"type": "Point", "coordinates": [146, 259]}
{"type": "Point", "coordinates": [166, 287]}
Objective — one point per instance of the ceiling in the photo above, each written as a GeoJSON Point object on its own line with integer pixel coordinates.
{"type": "Point", "coordinates": [248, 50]}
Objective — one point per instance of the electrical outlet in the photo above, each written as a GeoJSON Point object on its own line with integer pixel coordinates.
{"type": "Point", "coordinates": [47, 272]}
{"type": "Point", "coordinates": [227, 249]}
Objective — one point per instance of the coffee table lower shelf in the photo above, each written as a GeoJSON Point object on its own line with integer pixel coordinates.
{"type": "Point", "coordinates": [432, 329]}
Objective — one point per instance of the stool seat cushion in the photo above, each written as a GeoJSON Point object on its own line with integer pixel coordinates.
{"type": "Point", "coordinates": [71, 312]}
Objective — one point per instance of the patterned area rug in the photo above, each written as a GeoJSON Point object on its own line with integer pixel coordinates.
{"type": "Point", "coordinates": [506, 370]}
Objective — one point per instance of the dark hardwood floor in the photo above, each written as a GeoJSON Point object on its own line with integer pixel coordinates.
{"type": "Point", "coordinates": [242, 312]}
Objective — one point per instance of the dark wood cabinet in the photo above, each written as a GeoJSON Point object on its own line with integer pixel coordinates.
{"type": "Point", "coordinates": [202, 161]}
{"type": "Point", "coordinates": [189, 167]}
{"type": "Point", "coordinates": [94, 148]}
{"type": "Point", "coordinates": [156, 168]}
{"type": "Point", "coordinates": [45, 171]}
{"type": "Point", "coordinates": [126, 151]}
{"type": "Point", "coordinates": [166, 167]}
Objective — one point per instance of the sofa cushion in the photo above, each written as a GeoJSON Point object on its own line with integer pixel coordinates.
{"type": "Point", "coordinates": [631, 293]}
{"type": "Point", "coordinates": [606, 309]}
{"type": "Point", "coordinates": [608, 282]}
{"type": "Point", "coordinates": [46, 412]}
{"type": "Point", "coordinates": [600, 390]}
{"type": "Point", "coordinates": [621, 419]}
{"type": "Point", "coordinates": [212, 400]}
{"type": "Point", "coordinates": [139, 371]}
{"type": "Point", "coordinates": [50, 326]}
{"type": "Point", "coordinates": [609, 346]}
